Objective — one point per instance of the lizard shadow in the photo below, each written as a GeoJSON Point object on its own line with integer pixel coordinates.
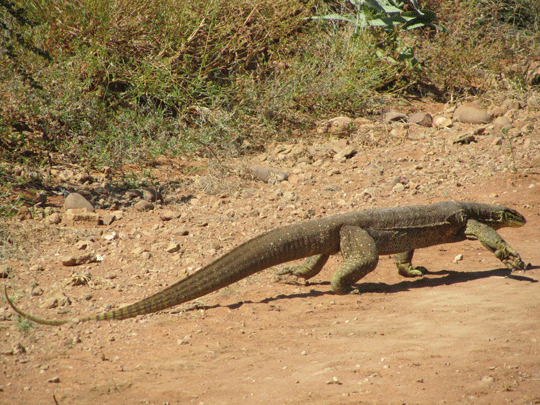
{"type": "Point", "coordinates": [442, 277]}
{"type": "Point", "coordinates": [430, 279]}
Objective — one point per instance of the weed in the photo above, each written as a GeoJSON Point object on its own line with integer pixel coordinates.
{"type": "Point", "coordinates": [24, 325]}
{"type": "Point", "coordinates": [510, 148]}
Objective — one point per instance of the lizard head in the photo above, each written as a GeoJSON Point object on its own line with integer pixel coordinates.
{"type": "Point", "coordinates": [507, 217]}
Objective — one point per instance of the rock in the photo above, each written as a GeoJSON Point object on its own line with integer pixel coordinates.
{"type": "Point", "coordinates": [369, 192]}
{"type": "Point", "coordinates": [497, 112]}
{"type": "Point", "coordinates": [132, 194]}
{"type": "Point", "coordinates": [36, 267]}
{"type": "Point", "coordinates": [347, 152]}
{"type": "Point", "coordinates": [534, 100]}
{"type": "Point", "coordinates": [54, 219]}
{"type": "Point", "coordinates": [290, 196]}
{"type": "Point", "coordinates": [173, 247]}
{"type": "Point", "coordinates": [335, 125]}
{"type": "Point", "coordinates": [470, 113]}
{"type": "Point", "coordinates": [464, 139]}
{"type": "Point", "coordinates": [502, 122]}
{"type": "Point", "coordinates": [82, 215]}
{"type": "Point", "coordinates": [373, 170]}
{"type": "Point", "coordinates": [333, 171]}
{"type": "Point", "coordinates": [268, 174]}
{"type": "Point", "coordinates": [181, 231]}
{"type": "Point", "coordinates": [420, 118]}
{"type": "Point", "coordinates": [58, 300]}
{"type": "Point", "coordinates": [441, 121]}
{"type": "Point", "coordinates": [497, 140]}
{"type": "Point", "coordinates": [398, 188]}
{"type": "Point", "coordinates": [37, 291]}
{"type": "Point", "coordinates": [151, 195]}
{"type": "Point", "coordinates": [77, 201]}
{"type": "Point", "coordinates": [110, 236]}
{"type": "Point", "coordinates": [82, 245]}
{"type": "Point", "coordinates": [78, 260]}
{"type": "Point", "coordinates": [479, 130]}
{"type": "Point", "coordinates": [66, 175]}
{"type": "Point", "coordinates": [394, 116]}
{"type": "Point", "coordinates": [138, 251]}
{"type": "Point", "coordinates": [511, 104]}
{"type": "Point", "coordinates": [168, 215]}
{"type": "Point", "coordinates": [108, 219]}
{"type": "Point", "coordinates": [144, 205]}
{"type": "Point", "coordinates": [118, 214]}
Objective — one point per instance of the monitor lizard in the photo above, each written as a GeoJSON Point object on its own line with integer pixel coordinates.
{"type": "Point", "coordinates": [360, 236]}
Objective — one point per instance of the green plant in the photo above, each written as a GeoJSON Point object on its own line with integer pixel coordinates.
{"type": "Point", "coordinates": [24, 325]}
{"type": "Point", "coordinates": [386, 14]}
{"type": "Point", "coordinates": [391, 17]}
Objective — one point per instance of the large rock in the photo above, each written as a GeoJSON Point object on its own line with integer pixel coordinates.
{"type": "Point", "coordinates": [75, 201]}
{"type": "Point", "coordinates": [440, 121]}
{"type": "Point", "coordinates": [420, 118]}
{"type": "Point", "coordinates": [144, 205]}
{"type": "Point", "coordinates": [471, 114]}
{"type": "Point", "coordinates": [268, 174]}
{"type": "Point", "coordinates": [83, 215]}
{"type": "Point", "coordinates": [335, 125]}
{"type": "Point", "coordinates": [394, 116]}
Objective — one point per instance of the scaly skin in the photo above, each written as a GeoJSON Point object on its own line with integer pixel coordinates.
{"type": "Point", "coordinates": [361, 237]}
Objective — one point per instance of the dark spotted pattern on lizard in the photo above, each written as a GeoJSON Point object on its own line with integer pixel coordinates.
{"type": "Point", "coordinates": [361, 237]}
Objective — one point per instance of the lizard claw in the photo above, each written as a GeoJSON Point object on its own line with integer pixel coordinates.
{"type": "Point", "coordinates": [406, 270]}
{"type": "Point", "coordinates": [510, 258]}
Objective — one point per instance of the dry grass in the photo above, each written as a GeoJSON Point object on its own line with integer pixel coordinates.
{"type": "Point", "coordinates": [131, 80]}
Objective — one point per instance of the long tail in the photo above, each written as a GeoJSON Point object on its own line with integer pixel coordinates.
{"type": "Point", "coordinates": [270, 249]}
{"type": "Point", "coordinates": [51, 322]}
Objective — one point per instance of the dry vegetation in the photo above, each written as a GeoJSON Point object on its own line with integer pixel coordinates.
{"type": "Point", "coordinates": [99, 83]}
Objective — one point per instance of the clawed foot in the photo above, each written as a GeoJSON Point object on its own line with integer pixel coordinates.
{"type": "Point", "coordinates": [406, 270]}
{"type": "Point", "coordinates": [510, 258]}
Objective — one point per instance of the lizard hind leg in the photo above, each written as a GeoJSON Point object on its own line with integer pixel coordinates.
{"type": "Point", "coordinates": [404, 265]}
{"type": "Point", "coordinates": [361, 256]}
{"type": "Point", "coordinates": [308, 269]}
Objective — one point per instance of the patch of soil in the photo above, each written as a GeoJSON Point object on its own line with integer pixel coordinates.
{"type": "Point", "coordinates": [467, 332]}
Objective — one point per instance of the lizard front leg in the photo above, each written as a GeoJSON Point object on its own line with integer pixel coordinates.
{"type": "Point", "coordinates": [309, 268]}
{"type": "Point", "coordinates": [361, 256]}
{"type": "Point", "coordinates": [493, 242]}
{"type": "Point", "coordinates": [404, 265]}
